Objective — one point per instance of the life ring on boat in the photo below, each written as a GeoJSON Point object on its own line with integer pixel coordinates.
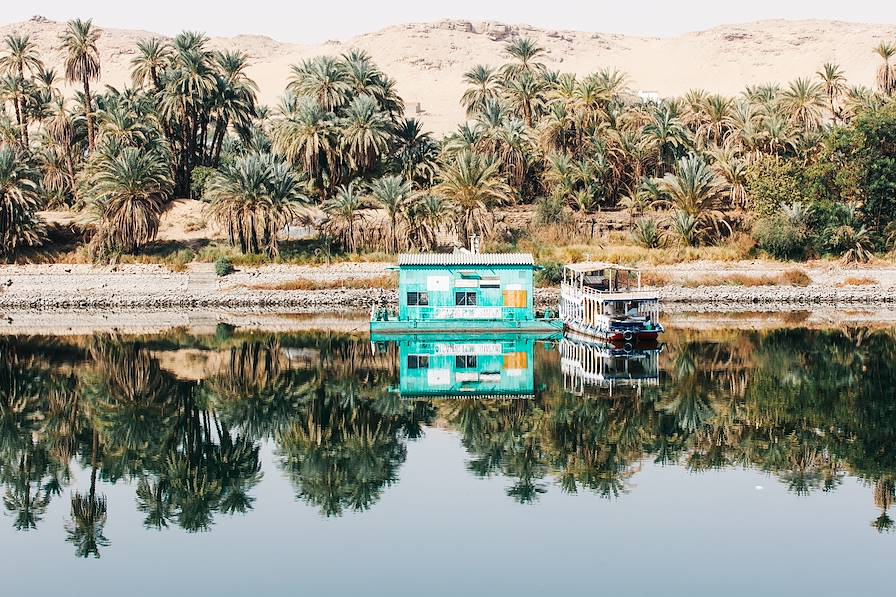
{"type": "Point", "coordinates": [627, 335]}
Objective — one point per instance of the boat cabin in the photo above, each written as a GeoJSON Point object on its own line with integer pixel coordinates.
{"type": "Point", "coordinates": [463, 290]}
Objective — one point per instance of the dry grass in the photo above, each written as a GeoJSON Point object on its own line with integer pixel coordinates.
{"type": "Point", "coordinates": [858, 282]}
{"type": "Point", "coordinates": [792, 277]}
{"type": "Point", "coordinates": [654, 279]}
{"type": "Point", "coordinates": [385, 282]}
{"type": "Point", "coordinates": [796, 277]}
{"type": "Point", "coordinates": [549, 247]}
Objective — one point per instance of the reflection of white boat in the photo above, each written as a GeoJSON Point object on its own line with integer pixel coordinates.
{"type": "Point", "coordinates": [606, 301]}
{"type": "Point", "coordinates": [587, 364]}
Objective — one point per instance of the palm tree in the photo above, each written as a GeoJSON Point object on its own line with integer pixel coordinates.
{"type": "Point", "coordinates": [428, 216]}
{"type": "Point", "coordinates": [668, 133]}
{"type": "Point", "coordinates": [474, 184]}
{"type": "Point", "coordinates": [392, 193]}
{"type": "Point", "coordinates": [153, 56]}
{"type": "Point", "coordinates": [525, 53]}
{"type": "Point", "coordinates": [82, 63]}
{"type": "Point", "coordinates": [834, 83]}
{"type": "Point", "coordinates": [345, 210]}
{"type": "Point", "coordinates": [306, 137]}
{"type": "Point", "coordinates": [524, 95]}
{"type": "Point", "coordinates": [19, 203]}
{"type": "Point", "coordinates": [20, 55]}
{"type": "Point", "coordinates": [886, 73]}
{"type": "Point", "coordinates": [694, 191]}
{"type": "Point", "coordinates": [129, 193]}
{"type": "Point", "coordinates": [323, 78]}
{"type": "Point", "coordinates": [804, 101]}
{"type": "Point", "coordinates": [365, 133]}
{"type": "Point", "coordinates": [234, 100]}
{"type": "Point", "coordinates": [481, 86]}
{"type": "Point", "coordinates": [254, 198]}
{"type": "Point", "coordinates": [415, 151]}
{"type": "Point", "coordinates": [716, 121]}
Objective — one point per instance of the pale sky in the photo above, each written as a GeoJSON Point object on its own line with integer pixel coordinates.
{"type": "Point", "coordinates": [315, 21]}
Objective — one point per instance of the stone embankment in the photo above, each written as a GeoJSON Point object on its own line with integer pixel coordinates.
{"type": "Point", "coordinates": [80, 287]}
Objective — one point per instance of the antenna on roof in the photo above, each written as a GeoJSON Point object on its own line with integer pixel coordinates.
{"type": "Point", "coordinates": [474, 243]}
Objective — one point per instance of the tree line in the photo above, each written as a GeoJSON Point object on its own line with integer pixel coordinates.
{"type": "Point", "coordinates": [807, 168]}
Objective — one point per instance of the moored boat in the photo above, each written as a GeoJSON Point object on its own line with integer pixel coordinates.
{"type": "Point", "coordinates": [606, 301]}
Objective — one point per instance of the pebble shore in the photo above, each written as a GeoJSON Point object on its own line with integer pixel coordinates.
{"type": "Point", "coordinates": [60, 287]}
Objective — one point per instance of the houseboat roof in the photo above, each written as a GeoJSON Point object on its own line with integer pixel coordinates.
{"type": "Point", "coordinates": [465, 258]}
{"type": "Point", "coordinates": [593, 266]}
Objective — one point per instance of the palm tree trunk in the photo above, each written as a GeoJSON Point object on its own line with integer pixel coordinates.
{"type": "Point", "coordinates": [216, 157]}
{"type": "Point", "coordinates": [18, 108]}
{"type": "Point", "coordinates": [88, 112]}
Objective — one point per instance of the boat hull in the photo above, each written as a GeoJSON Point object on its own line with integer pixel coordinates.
{"type": "Point", "coordinates": [619, 337]}
{"type": "Point", "coordinates": [398, 327]}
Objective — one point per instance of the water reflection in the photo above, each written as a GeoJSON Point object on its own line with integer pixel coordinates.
{"type": "Point", "coordinates": [182, 418]}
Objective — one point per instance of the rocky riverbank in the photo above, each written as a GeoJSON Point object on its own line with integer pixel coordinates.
{"type": "Point", "coordinates": [83, 287]}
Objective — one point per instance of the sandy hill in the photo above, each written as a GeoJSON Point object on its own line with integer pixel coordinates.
{"type": "Point", "coordinates": [429, 59]}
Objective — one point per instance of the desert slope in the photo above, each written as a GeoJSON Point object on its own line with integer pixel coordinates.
{"type": "Point", "coordinates": [429, 59]}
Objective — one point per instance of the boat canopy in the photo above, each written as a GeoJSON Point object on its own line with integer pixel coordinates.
{"type": "Point", "coordinates": [602, 277]}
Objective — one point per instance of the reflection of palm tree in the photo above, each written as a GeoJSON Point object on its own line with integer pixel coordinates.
{"type": "Point", "coordinates": [85, 531]}
{"type": "Point", "coordinates": [27, 501]}
{"type": "Point", "coordinates": [884, 496]}
{"type": "Point", "coordinates": [154, 499]}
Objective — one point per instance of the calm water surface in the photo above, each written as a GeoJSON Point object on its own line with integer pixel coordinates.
{"type": "Point", "coordinates": [729, 462]}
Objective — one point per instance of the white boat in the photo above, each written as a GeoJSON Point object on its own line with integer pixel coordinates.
{"type": "Point", "coordinates": [606, 301]}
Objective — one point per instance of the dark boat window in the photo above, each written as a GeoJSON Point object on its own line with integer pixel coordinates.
{"type": "Point", "coordinates": [418, 361]}
{"type": "Point", "coordinates": [465, 361]}
{"type": "Point", "coordinates": [465, 299]}
{"type": "Point", "coordinates": [418, 299]}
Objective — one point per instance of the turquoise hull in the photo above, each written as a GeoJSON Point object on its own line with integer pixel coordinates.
{"type": "Point", "coordinates": [397, 327]}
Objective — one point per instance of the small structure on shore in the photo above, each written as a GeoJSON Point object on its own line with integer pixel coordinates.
{"type": "Point", "coordinates": [605, 301]}
{"type": "Point", "coordinates": [463, 291]}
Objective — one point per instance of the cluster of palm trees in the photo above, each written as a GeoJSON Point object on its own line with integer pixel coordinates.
{"type": "Point", "coordinates": [590, 143]}
{"type": "Point", "coordinates": [339, 153]}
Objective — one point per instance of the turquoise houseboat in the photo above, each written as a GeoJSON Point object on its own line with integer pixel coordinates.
{"type": "Point", "coordinates": [456, 366]}
{"type": "Point", "coordinates": [464, 291]}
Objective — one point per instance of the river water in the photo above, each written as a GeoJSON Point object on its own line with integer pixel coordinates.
{"type": "Point", "coordinates": [735, 462]}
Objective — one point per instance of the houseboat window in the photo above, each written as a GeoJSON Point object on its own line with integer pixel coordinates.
{"type": "Point", "coordinates": [465, 299]}
{"type": "Point", "coordinates": [418, 361]}
{"type": "Point", "coordinates": [465, 361]}
{"type": "Point", "coordinates": [418, 299]}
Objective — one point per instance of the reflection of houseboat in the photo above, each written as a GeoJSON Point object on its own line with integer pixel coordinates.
{"type": "Point", "coordinates": [587, 364]}
{"type": "Point", "coordinates": [606, 301]}
{"type": "Point", "coordinates": [458, 366]}
{"type": "Point", "coordinates": [463, 291]}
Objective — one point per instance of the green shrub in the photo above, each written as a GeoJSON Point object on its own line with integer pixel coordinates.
{"type": "Point", "coordinates": [773, 182]}
{"type": "Point", "coordinates": [178, 261]}
{"type": "Point", "coordinates": [552, 210]}
{"type": "Point", "coordinates": [781, 238]}
{"type": "Point", "coordinates": [199, 179]}
{"type": "Point", "coordinates": [223, 266]}
{"type": "Point", "coordinates": [647, 234]}
{"type": "Point", "coordinates": [550, 274]}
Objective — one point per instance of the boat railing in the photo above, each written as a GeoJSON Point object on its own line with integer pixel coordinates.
{"type": "Point", "coordinates": [573, 292]}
